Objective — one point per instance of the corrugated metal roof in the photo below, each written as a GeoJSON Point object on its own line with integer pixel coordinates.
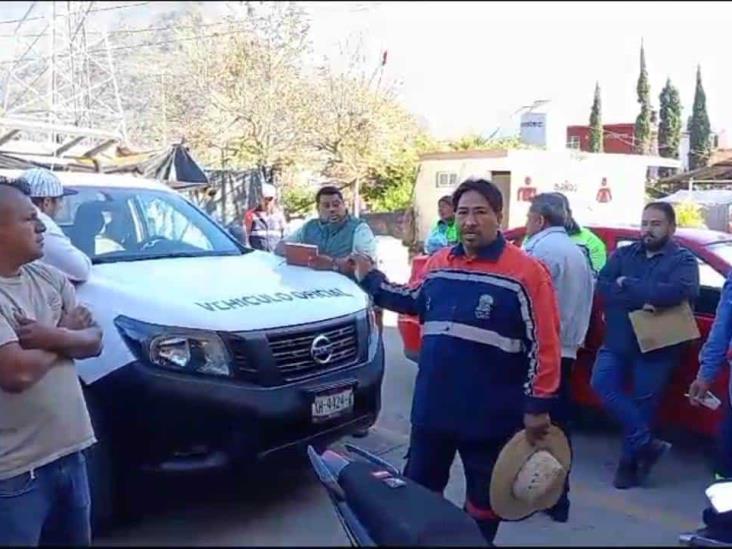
{"type": "Point", "coordinates": [702, 197]}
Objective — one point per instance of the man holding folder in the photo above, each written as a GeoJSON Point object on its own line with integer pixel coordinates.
{"type": "Point", "coordinates": [644, 287]}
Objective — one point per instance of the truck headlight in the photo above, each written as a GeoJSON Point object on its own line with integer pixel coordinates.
{"type": "Point", "coordinates": [176, 349]}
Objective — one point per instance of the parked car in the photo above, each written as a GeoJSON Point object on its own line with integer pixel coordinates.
{"type": "Point", "coordinates": [714, 252]}
{"type": "Point", "coordinates": [215, 354]}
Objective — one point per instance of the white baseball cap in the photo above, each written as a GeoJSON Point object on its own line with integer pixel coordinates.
{"type": "Point", "coordinates": [268, 190]}
{"type": "Point", "coordinates": [43, 183]}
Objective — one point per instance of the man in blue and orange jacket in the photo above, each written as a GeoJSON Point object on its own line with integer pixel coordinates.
{"type": "Point", "coordinates": [490, 358]}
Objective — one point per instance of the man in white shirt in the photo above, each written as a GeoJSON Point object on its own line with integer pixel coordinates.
{"type": "Point", "coordinates": [47, 194]}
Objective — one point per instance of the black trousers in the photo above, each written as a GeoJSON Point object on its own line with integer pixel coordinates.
{"type": "Point", "coordinates": [430, 457]}
{"type": "Point", "coordinates": [562, 416]}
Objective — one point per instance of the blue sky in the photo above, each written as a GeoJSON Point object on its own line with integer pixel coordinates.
{"type": "Point", "coordinates": [466, 66]}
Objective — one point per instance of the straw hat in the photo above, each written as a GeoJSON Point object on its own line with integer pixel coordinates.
{"type": "Point", "coordinates": [527, 478]}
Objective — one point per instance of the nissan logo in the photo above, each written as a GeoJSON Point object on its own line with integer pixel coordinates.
{"type": "Point", "coordinates": [321, 349]}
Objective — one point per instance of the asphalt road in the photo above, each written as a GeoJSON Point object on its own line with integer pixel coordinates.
{"type": "Point", "coordinates": [273, 506]}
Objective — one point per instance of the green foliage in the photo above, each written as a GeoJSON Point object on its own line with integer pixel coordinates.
{"type": "Point", "coordinates": [689, 214]}
{"type": "Point", "coordinates": [298, 199]}
{"type": "Point", "coordinates": [700, 145]}
{"type": "Point", "coordinates": [391, 198]}
{"type": "Point", "coordinates": [643, 121]}
{"type": "Point", "coordinates": [390, 185]}
{"type": "Point", "coordinates": [474, 142]}
{"type": "Point", "coordinates": [669, 128]}
{"type": "Point", "coordinates": [596, 141]}
{"type": "Point", "coordinates": [643, 88]}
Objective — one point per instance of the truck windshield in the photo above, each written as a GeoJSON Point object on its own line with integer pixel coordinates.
{"type": "Point", "coordinates": [110, 225]}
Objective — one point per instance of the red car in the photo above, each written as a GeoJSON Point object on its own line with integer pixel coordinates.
{"type": "Point", "coordinates": [713, 250]}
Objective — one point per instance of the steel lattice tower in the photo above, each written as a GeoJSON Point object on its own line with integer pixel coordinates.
{"type": "Point", "coordinates": [62, 72]}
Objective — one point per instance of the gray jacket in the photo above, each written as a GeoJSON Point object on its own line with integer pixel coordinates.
{"type": "Point", "coordinates": [573, 282]}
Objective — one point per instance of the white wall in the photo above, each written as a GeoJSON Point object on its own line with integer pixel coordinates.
{"type": "Point", "coordinates": [578, 175]}
{"type": "Point", "coordinates": [427, 193]}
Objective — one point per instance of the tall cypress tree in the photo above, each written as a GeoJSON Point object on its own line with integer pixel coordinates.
{"type": "Point", "coordinates": [643, 122]}
{"type": "Point", "coordinates": [596, 122]}
{"type": "Point", "coordinates": [669, 128]}
{"type": "Point", "coordinates": [700, 146]}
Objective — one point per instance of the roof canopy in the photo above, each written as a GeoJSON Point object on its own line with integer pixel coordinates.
{"type": "Point", "coordinates": [718, 171]}
{"type": "Point", "coordinates": [710, 197]}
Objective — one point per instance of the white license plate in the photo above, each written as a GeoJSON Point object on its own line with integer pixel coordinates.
{"type": "Point", "coordinates": [328, 406]}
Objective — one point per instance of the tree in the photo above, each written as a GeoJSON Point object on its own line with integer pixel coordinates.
{"type": "Point", "coordinates": [689, 214]}
{"type": "Point", "coordinates": [244, 92]}
{"type": "Point", "coordinates": [700, 145]}
{"type": "Point", "coordinates": [643, 121]}
{"type": "Point", "coordinates": [364, 137]}
{"type": "Point", "coordinates": [392, 184]}
{"type": "Point", "coordinates": [669, 127]}
{"type": "Point", "coordinates": [596, 137]}
{"type": "Point", "coordinates": [473, 142]}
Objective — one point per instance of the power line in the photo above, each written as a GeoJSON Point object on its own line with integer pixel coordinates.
{"type": "Point", "coordinates": [110, 8]}
{"type": "Point", "coordinates": [142, 45]}
{"type": "Point", "coordinates": [129, 31]}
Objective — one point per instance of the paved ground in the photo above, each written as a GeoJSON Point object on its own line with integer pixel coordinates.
{"type": "Point", "coordinates": [290, 508]}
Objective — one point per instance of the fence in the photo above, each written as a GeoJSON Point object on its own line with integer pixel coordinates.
{"type": "Point", "coordinates": [231, 193]}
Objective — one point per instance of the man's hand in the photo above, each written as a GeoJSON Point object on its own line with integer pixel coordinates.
{"type": "Point", "coordinates": [322, 263]}
{"type": "Point", "coordinates": [80, 318]}
{"type": "Point", "coordinates": [537, 427]}
{"type": "Point", "coordinates": [363, 265]}
{"type": "Point", "coordinates": [697, 390]}
{"type": "Point", "coordinates": [346, 266]}
{"type": "Point", "coordinates": [33, 335]}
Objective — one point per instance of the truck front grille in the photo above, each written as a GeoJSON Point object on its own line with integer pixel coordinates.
{"type": "Point", "coordinates": [293, 352]}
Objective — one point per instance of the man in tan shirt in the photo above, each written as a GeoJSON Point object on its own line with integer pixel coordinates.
{"type": "Point", "coordinates": [44, 422]}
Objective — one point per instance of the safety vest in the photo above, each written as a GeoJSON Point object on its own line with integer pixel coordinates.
{"type": "Point", "coordinates": [264, 230]}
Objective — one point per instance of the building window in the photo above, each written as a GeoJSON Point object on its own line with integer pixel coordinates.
{"type": "Point", "coordinates": [446, 179]}
{"type": "Point", "coordinates": [574, 142]}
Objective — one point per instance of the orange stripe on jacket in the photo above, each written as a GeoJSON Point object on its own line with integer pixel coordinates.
{"type": "Point", "coordinates": [535, 279]}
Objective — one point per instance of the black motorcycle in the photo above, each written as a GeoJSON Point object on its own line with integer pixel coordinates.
{"type": "Point", "coordinates": [377, 506]}
{"type": "Point", "coordinates": [717, 530]}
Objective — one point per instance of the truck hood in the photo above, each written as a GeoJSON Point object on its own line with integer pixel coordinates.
{"type": "Point", "coordinates": [250, 292]}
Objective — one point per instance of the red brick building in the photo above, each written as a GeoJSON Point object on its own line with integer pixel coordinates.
{"type": "Point", "coordinates": [617, 138]}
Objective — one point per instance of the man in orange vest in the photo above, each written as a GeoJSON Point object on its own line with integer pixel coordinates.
{"type": "Point", "coordinates": [266, 223]}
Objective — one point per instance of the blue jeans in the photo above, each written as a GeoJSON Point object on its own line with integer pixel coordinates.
{"type": "Point", "coordinates": [49, 506]}
{"type": "Point", "coordinates": [634, 411]}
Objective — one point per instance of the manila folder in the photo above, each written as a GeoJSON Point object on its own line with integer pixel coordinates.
{"type": "Point", "coordinates": [665, 327]}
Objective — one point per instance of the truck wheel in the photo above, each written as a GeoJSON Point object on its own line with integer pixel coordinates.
{"type": "Point", "coordinates": [100, 470]}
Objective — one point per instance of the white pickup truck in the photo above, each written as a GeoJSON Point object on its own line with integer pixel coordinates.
{"type": "Point", "coordinates": [214, 354]}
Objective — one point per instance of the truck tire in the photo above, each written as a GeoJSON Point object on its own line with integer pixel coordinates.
{"type": "Point", "coordinates": [100, 470]}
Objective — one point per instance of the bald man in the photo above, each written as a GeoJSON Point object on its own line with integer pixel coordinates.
{"type": "Point", "coordinates": [44, 422]}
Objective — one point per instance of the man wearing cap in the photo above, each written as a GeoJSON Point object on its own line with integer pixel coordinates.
{"type": "Point", "coordinates": [573, 281]}
{"type": "Point", "coordinates": [490, 358]}
{"type": "Point", "coordinates": [47, 194]}
{"type": "Point", "coordinates": [266, 223]}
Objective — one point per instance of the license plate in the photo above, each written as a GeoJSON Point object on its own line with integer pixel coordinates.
{"type": "Point", "coordinates": [330, 405]}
